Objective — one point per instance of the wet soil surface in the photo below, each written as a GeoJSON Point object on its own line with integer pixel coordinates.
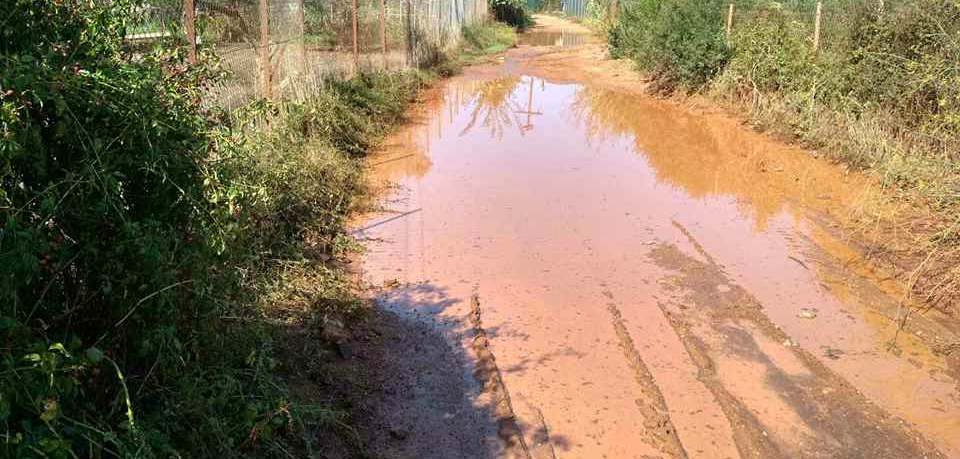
{"type": "Point", "coordinates": [590, 272]}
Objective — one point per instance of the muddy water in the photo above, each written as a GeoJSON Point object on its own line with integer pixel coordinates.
{"type": "Point", "coordinates": [652, 282]}
{"type": "Point", "coordinates": [561, 38]}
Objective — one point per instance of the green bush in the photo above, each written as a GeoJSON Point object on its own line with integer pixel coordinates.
{"type": "Point", "coordinates": [908, 60]}
{"type": "Point", "coordinates": [680, 41]}
{"type": "Point", "coordinates": [143, 241]}
{"type": "Point", "coordinates": [771, 52]}
{"type": "Point", "coordinates": [115, 260]}
{"type": "Point", "coordinates": [511, 12]}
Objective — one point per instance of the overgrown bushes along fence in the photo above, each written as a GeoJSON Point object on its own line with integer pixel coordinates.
{"type": "Point", "coordinates": [150, 248]}
{"type": "Point", "coordinates": [286, 49]}
{"type": "Point", "coordinates": [874, 83]}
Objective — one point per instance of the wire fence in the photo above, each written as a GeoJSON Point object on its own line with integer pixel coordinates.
{"type": "Point", "coordinates": [575, 8]}
{"type": "Point", "coordinates": [287, 49]}
{"type": "Point", "coordinates": [830, 24]}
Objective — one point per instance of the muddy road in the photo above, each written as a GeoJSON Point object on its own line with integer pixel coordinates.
{"type": "Point", "coordinates": [644, 279]}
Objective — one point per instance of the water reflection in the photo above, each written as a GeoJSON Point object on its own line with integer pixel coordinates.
{"type": "Point", "coordinates": [544, 197]}
{"type": "Point", "coordinates": [715, 157]}
{"type": "Point", "coordinates": [563, 38]}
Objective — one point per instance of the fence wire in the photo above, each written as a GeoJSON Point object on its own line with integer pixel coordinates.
{"type": "Point", "coordinates": [287, 49]}
{"type": "Point", "coordinates": [839, 19]}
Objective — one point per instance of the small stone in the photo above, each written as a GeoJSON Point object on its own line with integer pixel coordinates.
{"type": "Point", "coordinates": [723, 288]}
{"type": "Point", "coordinates": [788, 343]}
{"type": "Point", "coordinates": [807, 313]}
{"type": "Point", "coordinates": [832, 353]}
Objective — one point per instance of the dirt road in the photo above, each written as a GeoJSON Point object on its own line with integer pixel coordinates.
{"type": "Point", "coordinates": [644, 279]}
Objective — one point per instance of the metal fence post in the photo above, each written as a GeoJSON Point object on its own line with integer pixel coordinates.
{"type": "Point", "coordinates": [265, 70]}
{"type": "Point", "coordinates": [190, 27]}
{"type": "Point", "coordinates": [301, 21]}
{"type": "Point", "coordinates": [816, 27]}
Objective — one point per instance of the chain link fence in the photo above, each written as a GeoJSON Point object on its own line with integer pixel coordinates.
{"type": "Point", "coordinates": [286, 49]}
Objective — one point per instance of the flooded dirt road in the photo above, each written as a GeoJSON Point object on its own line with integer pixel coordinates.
{"type": "Point", "coordinates": [652, 281]}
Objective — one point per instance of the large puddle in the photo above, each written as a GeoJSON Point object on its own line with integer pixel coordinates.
{"type": "Point", "coordinates": [653, 282]}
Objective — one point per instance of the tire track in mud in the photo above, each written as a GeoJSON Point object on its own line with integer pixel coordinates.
{"type": "Point", "coordinates": [488, 374]}
{"type": "Point", "coordinates": [845, 423]}
{"type": "Point", "coordinates": [748, 432]}
{"type": "Point", "coordinates": [659, 429]}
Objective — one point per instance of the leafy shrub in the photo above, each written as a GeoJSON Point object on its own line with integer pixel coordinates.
{"type": "Point", "coordinates": [104, 244]}
{"type": "Point", "coordinates": [771, 52]}
{"type": "Point", "coordinates": [908, 60]}
{"type": "Point", "coordinates": [511, 12]}
{"type": "Point", "coordinates": [140, 239]}
{"type": "Point", "coordinates": [680, 41]}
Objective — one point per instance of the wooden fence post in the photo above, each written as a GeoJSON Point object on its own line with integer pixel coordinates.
{"type": "Point", "coordinates": [356, 45]}
{"type": "Point", "coordinates": [190, 27]}
{"type": "Point", "coordinates": [816, 27]}
{"type": "Point", "coordinates": [383, 31]}
{"type": "Point", "coordinates": [729, 22]}
{"type": "Point", "coordinates": [301, 21]}
{"type": "Point", "coordinates": [265, 70]}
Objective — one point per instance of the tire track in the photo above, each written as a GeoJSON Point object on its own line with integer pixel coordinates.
{"type": "Point", "coordinates": [660, 431]}
{"type": "Point", "coordinates": [844, 421]}
{"type": "Point", "coordinates": [748, 432]}
{"type": "Point", "coordinates": [488, 374]}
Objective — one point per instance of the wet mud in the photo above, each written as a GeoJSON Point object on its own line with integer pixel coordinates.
{"type": "Point", "coordinates": [654, 280]}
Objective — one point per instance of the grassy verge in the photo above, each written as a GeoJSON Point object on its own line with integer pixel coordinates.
{"type": "Point", "coordinates": [479, 43]}
{"type": "Point", "coordinates": [314, 296]}
{"type": "Point", "coordinates": [880, 96]}
{"type": "Point", "coordinates": [155, 259]}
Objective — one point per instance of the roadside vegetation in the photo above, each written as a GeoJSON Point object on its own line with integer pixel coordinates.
{"type": "Point", "coordinates": [154, 255]}
{"type": "Point", "coordinates": [882, 94]}
{"type": "Point", "coordinates": [514, 13]}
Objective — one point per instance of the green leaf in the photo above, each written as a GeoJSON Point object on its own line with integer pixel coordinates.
{"type": "Point", "coordinates": [4, 408]}
{"type": "Point", "coordinates": [7, 323]}
{"type": "Point", "coordinates": [51, 409]}
{"type": "Point", "coordinates": [59, 347]}
{"type": "Point", "coordinates": [94, 355]}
